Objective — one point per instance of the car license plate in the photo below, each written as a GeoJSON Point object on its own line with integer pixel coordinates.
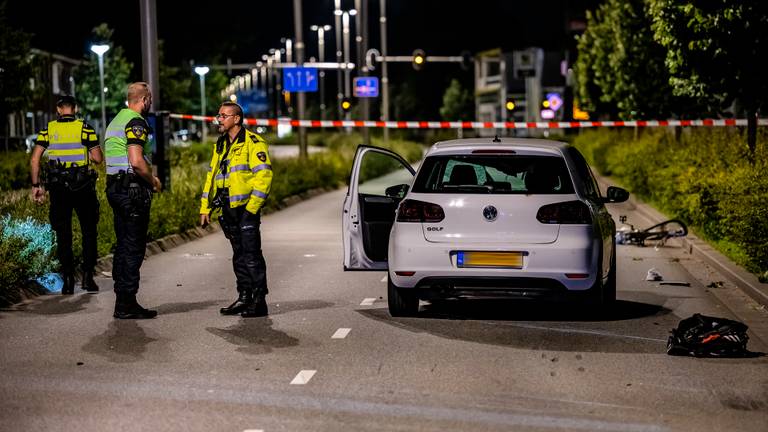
{"type": "Point", "coordinates": [490, 259]}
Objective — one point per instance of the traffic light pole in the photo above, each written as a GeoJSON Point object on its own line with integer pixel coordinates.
{"type": "Point", "coordinates": [300, 60]}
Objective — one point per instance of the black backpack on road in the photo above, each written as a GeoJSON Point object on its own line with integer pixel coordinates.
{"type": "Point", "coordinates": [705, 336]}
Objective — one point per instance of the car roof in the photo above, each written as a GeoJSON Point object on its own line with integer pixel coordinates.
{"type": "Point", "coordinates": [523, 145]}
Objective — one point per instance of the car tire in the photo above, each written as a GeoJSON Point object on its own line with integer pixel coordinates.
{"type": "Point", "coordinates": [609, 288]}
{"type": "Point", "coordinates": [402, 302]}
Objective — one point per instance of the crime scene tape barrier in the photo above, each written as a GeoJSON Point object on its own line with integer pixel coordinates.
{"type": "Point", "coordinates": [480, 125]}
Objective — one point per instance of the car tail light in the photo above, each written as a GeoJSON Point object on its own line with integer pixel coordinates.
{"type": "Point", "coordinates": [569, 212]}
{"type": "Point", "coordinates": [419, 211]}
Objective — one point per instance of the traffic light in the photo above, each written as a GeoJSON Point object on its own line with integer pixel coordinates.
{"type": "Point", "coordinates": [346, 105]}
{"type": "Point", "coordinates": [466, 60]}
{"type": "Point", "coordinates": [510, 104]}
{"type": "Point", "coordinates": [419, 59]}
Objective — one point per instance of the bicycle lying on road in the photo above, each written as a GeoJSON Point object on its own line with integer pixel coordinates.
{"type": "Point", "coordinates": [660, 232]}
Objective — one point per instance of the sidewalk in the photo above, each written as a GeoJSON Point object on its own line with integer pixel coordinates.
{"type": "Point", "coordinates": [744, 280]}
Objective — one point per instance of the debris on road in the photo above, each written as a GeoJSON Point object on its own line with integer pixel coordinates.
{"type": "Point", "coordinates": [706, 336]}
{"type": "Point", "coordinates": [653, 275]}
{"type": "Point", "coordinates": [676, 283]}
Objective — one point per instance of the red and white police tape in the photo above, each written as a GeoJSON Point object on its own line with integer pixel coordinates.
{"type": "Point", "coordinates": [480, 125]}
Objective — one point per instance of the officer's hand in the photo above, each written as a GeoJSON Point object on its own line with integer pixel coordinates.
{"type": "Point", "coordinates": [156, 185]}
{"type": "Point", "coordinates": [205, 220]}
{"type": "Point", "coordinates": [38, 195]}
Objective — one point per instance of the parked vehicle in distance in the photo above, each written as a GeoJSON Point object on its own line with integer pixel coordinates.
{"type": "Point", "coordinates": [482, 218]}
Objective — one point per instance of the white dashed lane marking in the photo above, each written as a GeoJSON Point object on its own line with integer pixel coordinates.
{"type": "Point", "coordinates": [341, 333]}
{"type": "Point", "coordinates": [309, 255]}
{"type": "Point", "coordinates": [367, 301]}
{"type": "Point", "coordinates": [303, 377]}
{"type": "Point", "coordinates": [384, 279]}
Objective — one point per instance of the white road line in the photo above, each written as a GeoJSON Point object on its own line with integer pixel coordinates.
{"type": "Point", "coordinates": [309, 255]}
{"type": "Point", "coordinates": [384, 279]}
{"type": "Point", "coordinates": [303, 377]}
{"type": "Point", "coordinates": [254, 430]}
{"type": "Point", "coordinates": [367, 302]}
{"type": "Point", "coordinates": [341, 333]}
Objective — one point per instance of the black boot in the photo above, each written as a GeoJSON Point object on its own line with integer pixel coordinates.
{"type": "Point", "coordinates": [126, 307]}
{"type": "Point", "coordinates": [88, 283]}
{"type": "Point", "coordinates": [256, 309]}
{"type": "Point", "coordinates": [239, 305]}
{"type": "Point", "coordinates": [69, 284]}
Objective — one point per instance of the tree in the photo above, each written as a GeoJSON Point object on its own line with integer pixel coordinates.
{"type": "Point", "coordinates": [713, 48]}
{"type": "Point", "coordinates": [15, 70]}
{"type": "Point", "coordinates": [176, 89]}
{"type": "Point", "coordinates": [458, 103]}
{"type": "Point", "coordinates": [620, 69]}
{"type": "Point", "coordinates": [117, 71]}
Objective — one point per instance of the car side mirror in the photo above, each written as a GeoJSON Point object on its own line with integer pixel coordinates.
{"type": "Point", "coordinates": [396, 191]}
{"type": "Point", "coordinates": [616, 195]}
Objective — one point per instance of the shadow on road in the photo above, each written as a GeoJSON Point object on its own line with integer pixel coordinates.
{"type": "Point", "coordinates": [254, 336]}
{"type": "Point", "coordinates": [173, 308]}
{"type": "Point", "coordinates": [56, 305]}
{"type": "Point", "coordinates": [124, 341]}
{"type": "Point", "coordinates": [631, 327]}
{"type": "Point", "coordinates": [293, 306]}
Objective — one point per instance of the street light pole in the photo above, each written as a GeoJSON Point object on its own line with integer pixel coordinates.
{"type": "Point", "coordinates": [345, 30]}
{"type": "Point", "coordinates": [321, 56]}
{"type": "Point", "coordinates": [337, 21]}
{"type": "Point", "coordinates": [384, 76]}
{"type": "Point", "coordinates": [99, 50]}
{"type": "Point", "coordinates": [201, 71]}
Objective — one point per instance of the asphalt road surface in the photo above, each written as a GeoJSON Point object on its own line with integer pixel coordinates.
{"type": "Point", "coordinates": [330, 358]}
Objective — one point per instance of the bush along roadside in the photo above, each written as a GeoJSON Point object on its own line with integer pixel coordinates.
{"type": "Point", "coordinates": [703, 176]}
{"type": "Point", "coordinates": [176, 210]}
{"type": "Point", "coordinates": [27, 249]}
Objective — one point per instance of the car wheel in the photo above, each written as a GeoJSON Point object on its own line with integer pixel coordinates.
{"type": "Point", "coordinates": [402, 302]}
{"type": "Point", "coordinates": [609, 289]}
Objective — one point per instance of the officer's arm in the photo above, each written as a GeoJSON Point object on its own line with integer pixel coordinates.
{"type": "Point", "coordinates": [261, 180]}
{"type": "Point", "coordinates": [37, 152]}
{"type": "Point", "coordinates": [137, 134]}
{"type": "Point", "coordinates": [204, 210]}
{"type": "Point", "coordinates": [91, 141]}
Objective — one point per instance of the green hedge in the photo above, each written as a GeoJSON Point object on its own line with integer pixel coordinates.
{"type": "Point", "coordinates": [177, 210]}
{"type": "Point", "coordinates": [702, 175]}
{"type": "Point", "coordinates": [14, 170]}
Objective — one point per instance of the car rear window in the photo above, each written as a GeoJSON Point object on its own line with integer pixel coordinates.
{"type": "Point", "coordinates": [494, 174]}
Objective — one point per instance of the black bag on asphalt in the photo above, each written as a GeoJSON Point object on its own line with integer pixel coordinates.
{"type": "Point", "coordinates": [705, 336]}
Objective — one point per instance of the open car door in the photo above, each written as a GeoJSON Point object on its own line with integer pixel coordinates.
{"type": "Point", "coordinates": [378, 182]}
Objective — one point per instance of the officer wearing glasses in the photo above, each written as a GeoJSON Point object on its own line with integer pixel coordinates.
{"type": "Point", "coordinates": [238, 182]}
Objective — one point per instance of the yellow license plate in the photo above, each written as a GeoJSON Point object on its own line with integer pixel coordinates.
{"type": "Point", "coordinates": [490, 259]}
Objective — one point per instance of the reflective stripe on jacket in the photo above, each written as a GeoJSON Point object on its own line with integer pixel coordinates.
{"type": "Point", "coordinates": [248, 173]}
{"type": "Point", "coordinates": [116, 142]}
{"type": "Point", "coordinates": [66, 139]}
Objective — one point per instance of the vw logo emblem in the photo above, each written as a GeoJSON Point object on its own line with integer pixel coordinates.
{"type": "Point", "coordinates": [490, 213]}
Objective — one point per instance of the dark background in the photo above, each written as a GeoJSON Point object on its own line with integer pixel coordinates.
{"type": "Point", "coordinates": [206, 32]}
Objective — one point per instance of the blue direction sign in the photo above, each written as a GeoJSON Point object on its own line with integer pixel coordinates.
{"type": "Point", "coordinates": [300, 79]}
{"type": "Point", "coordinates": [366, 87]}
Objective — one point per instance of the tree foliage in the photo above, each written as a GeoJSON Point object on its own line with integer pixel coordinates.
{"type": "Point", "coordinates": [15, 68]}
{"type": "Point", "coordinates": [458, 103]}
{"type": "Point", "coordinates": [117, 70]}
{"type": "Point", "coordinates": [620, 69]}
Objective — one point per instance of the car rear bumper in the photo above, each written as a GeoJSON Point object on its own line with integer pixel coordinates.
{"type": "Point", "coordinates": [545, 271]}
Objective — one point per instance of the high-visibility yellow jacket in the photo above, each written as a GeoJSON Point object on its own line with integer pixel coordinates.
{"type": "Point", "coordinates": [246, 171]}
{"type": "Point", "coordinates": [68, 141]}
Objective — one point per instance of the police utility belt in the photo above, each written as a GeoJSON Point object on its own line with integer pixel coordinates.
{"type": "Point", "coordinates": [74, 178]}
{"type": "Point", "coordinates": [129, 183]}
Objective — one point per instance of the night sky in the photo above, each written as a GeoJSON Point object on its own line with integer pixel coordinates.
{"type": "Point", "coordinates": [244, 30]}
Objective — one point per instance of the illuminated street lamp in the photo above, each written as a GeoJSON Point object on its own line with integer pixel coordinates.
{"type": "Point", "coordinates": [99, 50]}
{"type": "Point", "coordinates": [321, 57]}
{"type": "Point", "coordinates": [201, 71]}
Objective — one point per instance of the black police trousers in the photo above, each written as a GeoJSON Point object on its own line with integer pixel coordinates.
{"type": "Point", "coordinates": [86, 206]}
{"type": "Point", "coordinates": [130, 207]}
{"type": "Point", "coordinates": [242, 229]}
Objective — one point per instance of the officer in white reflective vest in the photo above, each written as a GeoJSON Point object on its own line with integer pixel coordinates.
{"type": "Point", "coordinates": [73, 148]}
{"type": "Point", "coordinates": [238, 182]}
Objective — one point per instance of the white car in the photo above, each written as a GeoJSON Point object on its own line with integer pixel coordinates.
{"type": "Point", "coordinates": [482, 218]}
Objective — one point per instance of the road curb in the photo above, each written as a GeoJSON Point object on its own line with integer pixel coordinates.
{"type": "Point", "coordinates": [741, 278]}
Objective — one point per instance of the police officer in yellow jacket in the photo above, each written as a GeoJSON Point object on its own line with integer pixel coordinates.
{"type": "Point", "coordinates": [72, 147]}
{"type": "Point", "coordinates": [238, 182]}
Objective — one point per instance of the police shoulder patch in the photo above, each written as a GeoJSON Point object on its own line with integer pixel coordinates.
{"type": "Point", "coordinates": [262, 156]}
{"type": "Point", "coordinates": [138, 131]}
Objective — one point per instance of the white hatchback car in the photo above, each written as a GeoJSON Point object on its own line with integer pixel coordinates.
{"type": "Point", "coordinates": [482, 218]}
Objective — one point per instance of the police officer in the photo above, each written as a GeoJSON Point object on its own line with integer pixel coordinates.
{"type": "Point", "coordinates": [130, 184]}
{"type": "Point", "coordinates": [238, 182]}
{"type": "Point", "coordinates": [72, 147]}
